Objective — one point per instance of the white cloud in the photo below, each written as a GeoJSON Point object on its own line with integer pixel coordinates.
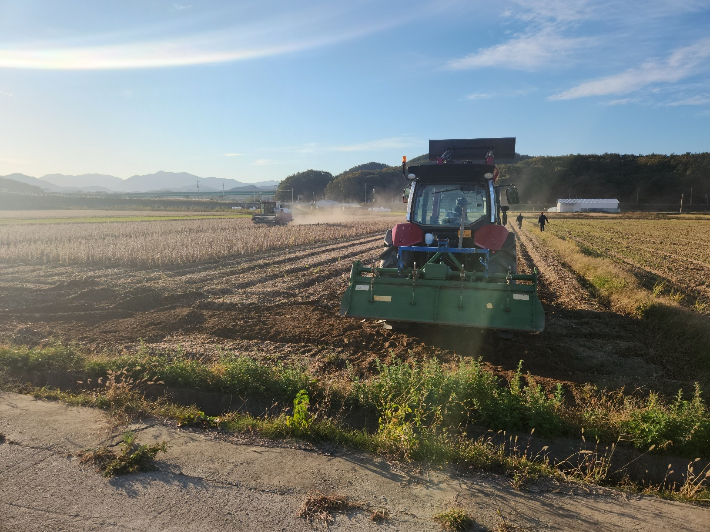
{"type": "Point", "coordinates": [232, 154]}
{"type": "Point", "coordinates": [2, 93]}
{"type": "Point", "coordinates": [264, 162]}
{"type": "Point", "coordinates": [699, 99]}
{"type": "Point", "coordinates": [530, 51]}
{"type": "Point", "coordinates": [681, 64]}
{"type": "Point", "coordinates": [621, 101]}
{"type": "Point", "coordinates": [478, 96]}
{"type": "Point", "coordinates": [501, 93]}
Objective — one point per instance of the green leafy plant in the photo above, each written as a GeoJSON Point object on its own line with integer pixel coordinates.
{"type": "Point", "coordinates": [301, 419]}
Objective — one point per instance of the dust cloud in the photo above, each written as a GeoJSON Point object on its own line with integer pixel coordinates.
{"type": "Point", "coordinates": [307, 216]}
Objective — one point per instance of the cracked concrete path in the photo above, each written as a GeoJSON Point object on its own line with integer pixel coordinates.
{"type": "Point", "coordinates": [208, 481]}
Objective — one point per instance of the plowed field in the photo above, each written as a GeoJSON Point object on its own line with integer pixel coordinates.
{"type": "Point", "coordinates": [281, 304]}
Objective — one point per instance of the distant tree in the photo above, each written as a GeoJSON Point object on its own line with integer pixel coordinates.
{"type": "Point", "coordinates": [387, 184]}
{"type": "Point", "coordinates": [649, 178]}
{"type": "Point", "coordinates": [365, 167]}
{"type": "Point", "coordinates": [309, 184]}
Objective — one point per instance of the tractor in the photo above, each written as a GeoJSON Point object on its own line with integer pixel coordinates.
{"type": "Point", "coordinates": [453, 262]}
{"type": "Point", "coordinates": [273, 213]}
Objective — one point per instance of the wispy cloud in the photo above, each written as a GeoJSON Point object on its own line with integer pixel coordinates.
{"type": "Point", "coordinates": [181, 7]}
{"type": "Point", "coordinates": [265, 162]}
{"type": "Point", "coordinates": [478, 96]}
{"type": "Point", "coordinates": [524, 52]}
{"type": "Point", "coordinates": [700, 99]}
{"type": "Point", "coordinates": [269, 32]}
{"type": "Point", "coordinates": [232, 154]}
{"type": "Point", "coordinates": [3, 93]}
{"type": "Point", "coordinates": [621, 101]}
{"type": "Point", "coordinates": [681, 64]}
{"type": "Point", "coordinates": [502, 93]}
{"type": "Point", "coordinates": [376, 145]}
{"type": "Point", "coordinates": [562, 33]}
{"type": "Point", "coordinates": [370, 145]}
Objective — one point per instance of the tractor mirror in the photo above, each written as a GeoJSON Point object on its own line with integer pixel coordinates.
{"type": "Point", "coordinates": [405, 195]}
{"type": "Point", "coordinates": [511, 195]}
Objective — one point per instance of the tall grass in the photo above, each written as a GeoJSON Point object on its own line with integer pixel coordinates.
{"type": "Point", "coordinates": [415, 405]}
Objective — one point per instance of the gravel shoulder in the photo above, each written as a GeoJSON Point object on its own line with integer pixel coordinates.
{"type": "Point", "coordinates": [208, 481]}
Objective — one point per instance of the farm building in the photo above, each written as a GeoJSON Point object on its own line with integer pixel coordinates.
{"type": "Point", "coordinates": [587, 205]}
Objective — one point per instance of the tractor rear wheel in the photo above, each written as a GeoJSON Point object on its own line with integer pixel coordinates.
{"type": "Point", "coordinates": [505, 259]}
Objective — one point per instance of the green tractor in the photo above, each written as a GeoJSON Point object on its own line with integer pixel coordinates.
{"type": "Point", "coordinates": [453, 262]}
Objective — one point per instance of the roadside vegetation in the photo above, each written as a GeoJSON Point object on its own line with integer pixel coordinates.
{"type": "Point", "coordinates": [132, 458]}
{"type": "Point", "coordinates": [454, 520]}
{"type": "Point", "coordinates": [429, 412]}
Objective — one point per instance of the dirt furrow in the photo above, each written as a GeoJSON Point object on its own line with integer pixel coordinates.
{"type": "Point", "coordinates": [557, 285]}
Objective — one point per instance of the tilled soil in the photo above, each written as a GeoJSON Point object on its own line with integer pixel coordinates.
{"type": "Point", "coordinates": [283, 306]}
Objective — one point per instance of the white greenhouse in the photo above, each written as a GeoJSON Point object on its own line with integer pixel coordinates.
{"type": "Point", "coordinates": [587, 205]}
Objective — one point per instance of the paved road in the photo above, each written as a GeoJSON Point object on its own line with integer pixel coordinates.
{"type": "Point", "coordinates": [206, 482]}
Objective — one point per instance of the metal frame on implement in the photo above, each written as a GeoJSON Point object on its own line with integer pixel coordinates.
{"type": "Point", "coordinates": [438, 294]}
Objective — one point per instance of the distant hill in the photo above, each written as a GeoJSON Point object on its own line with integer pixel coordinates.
{"type": "Point", "coordinates": [10, 185]}
{"type": "Point", "coordinates": [84, 181]}
{"type": "Point", "coordinates": [167, 181]}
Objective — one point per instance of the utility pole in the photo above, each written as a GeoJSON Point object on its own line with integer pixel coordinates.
{"type": "Point", "coordinates": [365, 193]}
{"type": "Point", "coordinates": [681, 204]}
{"type": "Point", "coordinates": [198, 187]}
{"type": "Point", "coordinates": [222, 190]}
{"type": "Point", "coordinates": [292, 195]}
{"type": "Point", "coordinates": [691, 195]}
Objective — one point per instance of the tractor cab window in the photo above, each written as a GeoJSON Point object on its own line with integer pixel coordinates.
{"type": "Point", "coordinates": [446, 204]}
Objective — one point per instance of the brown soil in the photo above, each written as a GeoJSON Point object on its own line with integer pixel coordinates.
{"type": "Point", "coordinates": [283, 306]}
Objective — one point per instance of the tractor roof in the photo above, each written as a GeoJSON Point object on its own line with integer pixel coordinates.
{"type": "Point", "coordinates": [451, 173]}
{"type": "Point", "coordinates": [475, 150]}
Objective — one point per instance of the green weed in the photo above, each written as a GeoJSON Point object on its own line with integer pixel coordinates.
{"type": "Point", "coordinates": [454, 519]}
{"type": "Point", "coordinates": [132, 458]}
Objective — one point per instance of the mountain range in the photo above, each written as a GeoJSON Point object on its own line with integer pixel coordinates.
{"type": "Point", "coordinates": [159, 181]}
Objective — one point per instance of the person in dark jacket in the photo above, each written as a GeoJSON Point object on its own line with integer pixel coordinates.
{"type": "Point", "coordinates": [542, 220]}
{"type": "Point", "coordinates": [519, 219]}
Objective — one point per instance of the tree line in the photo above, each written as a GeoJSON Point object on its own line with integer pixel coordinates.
{"type": "Point", "coordinates": [629, 178]}
{"type": "Point", "coordinates": [371, 182]}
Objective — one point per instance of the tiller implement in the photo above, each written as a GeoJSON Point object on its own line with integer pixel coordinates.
{"type": "Point", "coordinates": [422, 277]}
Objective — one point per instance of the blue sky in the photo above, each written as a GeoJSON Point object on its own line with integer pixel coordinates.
{"type": "Point", "coordinates": [256, 90]}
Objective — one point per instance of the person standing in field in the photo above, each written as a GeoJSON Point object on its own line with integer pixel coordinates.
{"type": "Point", "coordinates": [542, 220]}
{"type": "Point", "coordinates": [519, 219]}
